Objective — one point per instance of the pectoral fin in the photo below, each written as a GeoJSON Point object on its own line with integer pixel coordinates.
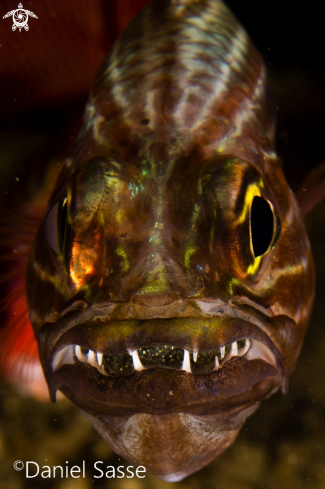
{"type": "Point", "coordinates": [312, 190]}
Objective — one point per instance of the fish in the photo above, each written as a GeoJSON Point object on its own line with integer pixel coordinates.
{"type": "Point", "coordinates": [170, 281]}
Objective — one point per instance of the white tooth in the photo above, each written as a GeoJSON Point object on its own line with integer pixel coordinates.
{"type": "Point", "coordinates": [100, 358]}
{"type": "Point", "coordinates": [245, 348]}
{"type": "Point", "coordinates": [79, 354]}
{"type": "Point", "coordinates": [216, 362]}
{"type": "Point", "coordinates": [92, 358]}
{"type": "Point", "coordinates": [194, 356]}
{"type": "Point", "coordinates": [234, 349]}
{"type": "Point", "coordinates": [222, 351]}
{"type": "Point", "coordinates": [64, 356]}
{"type": "Point", "coordinates": [186, 361]}
{"type": "Point", "coordinates": [136, 361]}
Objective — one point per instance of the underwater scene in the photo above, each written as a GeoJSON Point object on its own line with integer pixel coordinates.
{"type": "Point", "coordinates": [154, 263]}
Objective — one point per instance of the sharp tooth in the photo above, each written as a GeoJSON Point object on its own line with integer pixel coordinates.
{"type": "Point", "coordinates": [186, 361]}
{"type": "Point", "coordinates": [62, 357]}
{"type": "Point", "coordinates": [136, 361]}
{"type": "Point", "coordinates": [100, 358]}
{"type": "Point", "coordinates": [216, 362]}
{"type": "Point", "coordinates": [92, 358]}
{"type": "Point", "coordinates": [79, 354]}
{"type": "Point", "coordinates": [245, 348]}
{"type": "Point", "coordinates": [222, 351]}
{"type": "Point", "coordinates": [234, 349]}
{"type": "Point", "coordinates": [194, 356]}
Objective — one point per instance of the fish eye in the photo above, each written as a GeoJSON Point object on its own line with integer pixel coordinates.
{"type": "Point", "coordinates": [262, 225]}
{"type": "Point", "coordinates": [55, 225]}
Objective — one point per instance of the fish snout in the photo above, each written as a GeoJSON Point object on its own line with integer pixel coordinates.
{"type": "Point", "coordinates": [156, 280]}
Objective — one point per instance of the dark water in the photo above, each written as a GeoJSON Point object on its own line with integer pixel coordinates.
{"type": "Point", "coordinates": [282, 445]}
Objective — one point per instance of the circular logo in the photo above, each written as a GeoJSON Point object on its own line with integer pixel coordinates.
{"type": "Point", "coordinates": [20, 18]}
{"type": "Point", "coordinates": [18, 465]}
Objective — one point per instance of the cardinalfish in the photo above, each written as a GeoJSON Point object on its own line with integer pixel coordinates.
{"type": "Point", "coordinates": [170, 281]}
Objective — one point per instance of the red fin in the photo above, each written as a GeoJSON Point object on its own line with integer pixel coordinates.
{"type": "Point", "coordinates": [19, 361]}
{"type": "Point", "coordinates": [312, 190]}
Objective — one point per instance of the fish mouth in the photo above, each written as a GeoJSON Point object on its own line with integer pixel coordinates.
{"type": "Point", "coordinates": [199, 365]}
{"type": "Point", "coordinates": [162, 356]}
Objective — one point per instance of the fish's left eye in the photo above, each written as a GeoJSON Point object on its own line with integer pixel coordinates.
{"type": "Point", "coordinates": [55, 225]}
{"type": "Point", "coordinates": [263, 225]}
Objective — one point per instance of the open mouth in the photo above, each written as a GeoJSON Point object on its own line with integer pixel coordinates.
{"type": "Point", "coordinates": [163, 356]}
{"type": "Point", "coordinates": [115, 364]}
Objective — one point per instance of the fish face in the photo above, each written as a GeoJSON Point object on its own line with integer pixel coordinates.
{"type": "Point", "coordinates": [171, 280]}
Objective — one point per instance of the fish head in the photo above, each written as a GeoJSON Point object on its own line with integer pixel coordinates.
{"type": "Point", "coordinates": [171, 280]}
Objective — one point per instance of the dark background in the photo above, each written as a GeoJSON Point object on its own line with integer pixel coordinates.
{"type": "Point", "coordinates": [282, 445]}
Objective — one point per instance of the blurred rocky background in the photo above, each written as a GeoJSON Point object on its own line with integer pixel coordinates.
{"type": "Point", "coordinates": [45, 75]}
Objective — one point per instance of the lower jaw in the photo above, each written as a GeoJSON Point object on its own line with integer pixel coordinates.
{"type": "Point", "coordinates": [171, 446]}
{"type": "Point", "coordinates": [160, 391]}
{"type": "Point", "coordinates": [171, 422]}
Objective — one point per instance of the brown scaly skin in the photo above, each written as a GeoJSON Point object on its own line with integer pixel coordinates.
{"type": "Point", "coordinates": [177, 140]}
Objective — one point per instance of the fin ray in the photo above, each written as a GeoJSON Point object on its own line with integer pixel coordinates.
{"type": "Point", "coordinates": [19, 360]}
{"type": "Point", "coordinates": [312, 190]}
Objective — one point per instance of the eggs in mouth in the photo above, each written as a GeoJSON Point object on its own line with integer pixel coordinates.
{"type": "Point", "coordinates": [114, 366]}
{"type": "Point", "coordinates": [162, 356]}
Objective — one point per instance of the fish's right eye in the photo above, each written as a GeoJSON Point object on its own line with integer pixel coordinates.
{"type": "Point", "coordinates": [56, 224]}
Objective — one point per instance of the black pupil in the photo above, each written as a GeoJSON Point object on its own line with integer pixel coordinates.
{"type": "Point", "coordinates": [262, 225]}
{"type": "Point", "coordinates": [62, 222]}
